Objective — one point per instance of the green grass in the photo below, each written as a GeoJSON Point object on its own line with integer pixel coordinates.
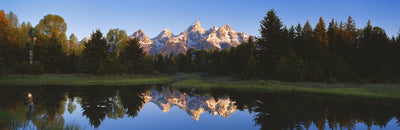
{"type": "Point", "coordinates": [81, 80]}
{"type": "Point", "coordinates": [194, 80]}
{"type": "Point", "coordinates": [339, 89]}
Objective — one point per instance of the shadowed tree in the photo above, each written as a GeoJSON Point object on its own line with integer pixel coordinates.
{"type": "Point", "coordinates": [50, 34]}
{"type": "Point", "coordinates": [95, 56]}
{"type": "Point", "coordinates": [13, 56]}
{"type": "Point", "coordinates": [291, 68]}
{"type": "Point", "coordinates": [4, 32]}
{"type": "Point", "coordinates": [320, 33]}
{"type": "Point", "coordinates": [159, 62]}
{"type": "Point", "coordinates": [271, 44]}
{"type": "Point", "coordinates": [132, 56]}
{"type": "Point", "coordinates": [351, 28]}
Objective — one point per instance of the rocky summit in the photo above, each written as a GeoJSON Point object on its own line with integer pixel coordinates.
{"type": "Point", "coordinates": [194, 36]}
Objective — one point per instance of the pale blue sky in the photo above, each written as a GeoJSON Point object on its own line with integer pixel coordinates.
{"type": "Point", "coordinates": [84, 16]}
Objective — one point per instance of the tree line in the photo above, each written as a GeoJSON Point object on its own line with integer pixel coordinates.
{"type": "Point", "coordinates": [338, 52]}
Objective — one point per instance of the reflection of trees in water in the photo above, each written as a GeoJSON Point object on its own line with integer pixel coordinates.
{"type": "Point", "coordinates": [132, 99]}
{"type": "Point", "coordinates": [44, 106]}
{"type": "Point", "coordinates": [71, 105]}
{"type": "Point", "coordinates": [12, 108]}
{"type": "Point", "coordinates": [96, 103]}
{"type": "Point", "coordinates": [113, 102]}
{"type": "Point", "coordinates": [279, 110]}
{"type": "Point", "coordinates": [272, 110]}
{"type": "Point", "coordinates": [49, 106]}
{"type": "Point", "coordinates": [294, 111]}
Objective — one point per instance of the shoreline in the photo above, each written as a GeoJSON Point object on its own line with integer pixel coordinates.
{"type": "Point", "coordinates": [206, 83]}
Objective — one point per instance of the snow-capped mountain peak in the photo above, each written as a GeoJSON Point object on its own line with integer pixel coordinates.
{"type": "Point", "coordinates": [166, 33]}
{"type": "Point", "coordinates": [139, 34]}
{"type": "Point", "coordinates": [194, 36]}
{"type": "Point", "coordinates": [195, 27]}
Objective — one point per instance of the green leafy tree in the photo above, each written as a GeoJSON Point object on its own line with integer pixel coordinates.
{"type": "Point", "coordinates": [51, 25]}
{"type": "Point", "coordinates": [71, 63]}
{"type": "Point", "coordinates": [50, 44]}
{"type": "Point", "coordinates": [117, 39]}
{"type": "Point", "coordinates": [56, 56]}
{"type": "Point", "coordinates": [73, 43]}
{"type": "Point", "coordinates": [13, 19]}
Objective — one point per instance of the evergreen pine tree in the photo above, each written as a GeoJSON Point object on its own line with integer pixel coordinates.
{"type": "Point", "coordinates": [250, 69]}
{"type": "Point", "coordinates": [159, 62]}
{"type": "Point", "coordinates": [132, 56]}
{"type": "Point", "coordinates": [95, 56]}
{"type": "Point", "coordinates": [269, 43]}
{"type": "Point", "coordinates": [320, 33]}
{"type": "Point", "coordinates": [291, 68]}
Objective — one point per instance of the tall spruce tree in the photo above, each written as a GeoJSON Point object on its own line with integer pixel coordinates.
{"type": "Point", "coordinates": [132, 56]}
{"type": "Point", "coordinates": [159, 62]}
{"type": "Point", "coordinates": [270, 44]}
{"type": "Point", "coordinates": [320, 33]}
{"type": "Point", "coordinates": [351, 28]}
{"type": "Point", "coordinates": [95, 56]}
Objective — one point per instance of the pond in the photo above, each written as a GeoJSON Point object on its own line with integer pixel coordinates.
{"type": "Point", "coordinates": [164, 107]}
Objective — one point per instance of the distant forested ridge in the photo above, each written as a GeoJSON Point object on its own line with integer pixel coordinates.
{"type": "Point", "coordinates": [327, 52]}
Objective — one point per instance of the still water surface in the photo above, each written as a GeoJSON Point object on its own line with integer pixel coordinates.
{"type": "Point", "coordinates": [160, 107]}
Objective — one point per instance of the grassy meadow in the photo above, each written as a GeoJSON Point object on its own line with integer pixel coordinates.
{"type": "Point", "coordinates": [338, 89]}
{"type": "Point", "coordinates": [197, 81]}
{"type": "Point", "coordinates": [82, 80]}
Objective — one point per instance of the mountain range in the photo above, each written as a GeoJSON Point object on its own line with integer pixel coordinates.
{"type": "Point", "coordinates": [194, 36]}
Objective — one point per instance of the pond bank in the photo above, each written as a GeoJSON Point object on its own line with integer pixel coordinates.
{"type": "Point", "coordinates": [369, 90]}
{"type": "Point", "coordinates": [204, 82]}
{"type": "Point", "coordinates": [84, 80]}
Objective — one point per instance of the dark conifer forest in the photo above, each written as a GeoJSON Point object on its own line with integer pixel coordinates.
{"type": "Point", "coordinates": [331, 51]}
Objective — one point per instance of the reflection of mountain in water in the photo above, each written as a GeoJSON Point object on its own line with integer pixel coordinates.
{"type": "Point", "coordinates": [44, 107]}
{"type": "Point", "coordinates": [193, 105]}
